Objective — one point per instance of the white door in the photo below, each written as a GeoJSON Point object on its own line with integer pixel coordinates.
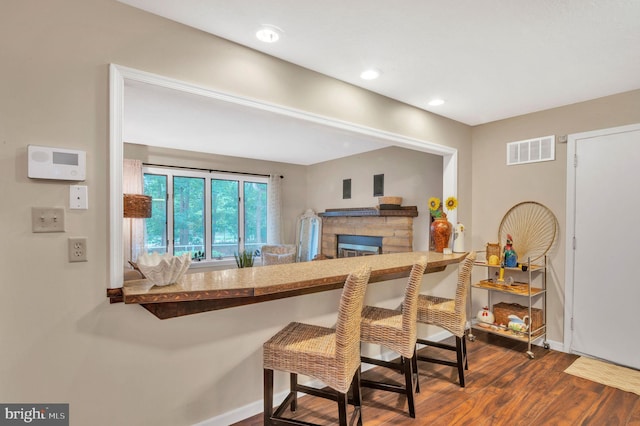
{"type": "Point", "coordinates": [606, 273]}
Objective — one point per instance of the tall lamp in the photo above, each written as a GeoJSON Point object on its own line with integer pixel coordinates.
{"type": "Point", "coordinates": [135, 206]}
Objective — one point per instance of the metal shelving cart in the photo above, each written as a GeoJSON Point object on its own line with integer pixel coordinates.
{"type": "Point", "coordinates": [523, 290]}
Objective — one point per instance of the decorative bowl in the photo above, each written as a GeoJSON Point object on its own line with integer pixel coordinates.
{"type": "Point", "coordinates": [163, 269]}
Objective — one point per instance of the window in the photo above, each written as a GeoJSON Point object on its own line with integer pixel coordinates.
{"type": "Point", "coordinates": [224, 217]}
{"type": "Point", "coordinates": [210, 215]}
{"type": "Point", "coordinates": [156, 226]}
{"type": "Point", "coordinates": [255, 215]}
{"type": "Point", "coordinates": [188, 215]}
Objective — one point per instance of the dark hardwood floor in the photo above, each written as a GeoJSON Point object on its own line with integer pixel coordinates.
{"type": "Point", "coordinates": [504, 387]}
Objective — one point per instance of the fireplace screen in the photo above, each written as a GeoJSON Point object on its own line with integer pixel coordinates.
{"type": "Point", "coordinates": [358, 245]}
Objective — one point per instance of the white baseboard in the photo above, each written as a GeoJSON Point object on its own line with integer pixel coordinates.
{"type": "Point", "coordinates": [236, 415]}
{"type": "Point", "coordinates": [556, 346]}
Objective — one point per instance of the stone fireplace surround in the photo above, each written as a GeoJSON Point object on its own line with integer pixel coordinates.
{"type": "Point", "coordinates": [394, 226]}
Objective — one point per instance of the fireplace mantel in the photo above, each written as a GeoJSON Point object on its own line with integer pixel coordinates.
{"type": "Point", "coordinates": [395, 226]}
{"type": "Point", "coordinates": [404, 211]}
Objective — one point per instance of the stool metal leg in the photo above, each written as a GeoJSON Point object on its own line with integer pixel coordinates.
{"type": "Point", "coordinates": [414, 360]}
{"type": "Point", "coordinates": [460, 357]}
{"type": "Point", "coordinates": [357, 396]}
{"type": "Point", "coordinates": [342, 408]}
{"type": "Point", "coordinates": [268, 396]}
{"type": "Point", "coordinates": [459, 348]}
{"type": "Point", "coordinates": [464, 353]}
{"type": "Point", "coordinates": [293, 380]}
{"type": "Point", "coordinates": [408, 383]}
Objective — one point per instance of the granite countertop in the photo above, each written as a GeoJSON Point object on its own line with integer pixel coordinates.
{"type": "Point", "coordinates": [251, 285]}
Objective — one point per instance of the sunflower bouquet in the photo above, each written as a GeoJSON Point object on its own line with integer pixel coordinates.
{"type": "Point", "coordinates": [436, 207]}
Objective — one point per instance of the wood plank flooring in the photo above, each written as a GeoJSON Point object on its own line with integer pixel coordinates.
{"type": "Point", "coordinates": [504, 387]}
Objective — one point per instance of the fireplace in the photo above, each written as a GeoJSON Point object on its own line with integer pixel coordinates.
{"type": "Point", "coordinates": [358, 245]}
{"type": "Point", "coordinates": [392, 230]}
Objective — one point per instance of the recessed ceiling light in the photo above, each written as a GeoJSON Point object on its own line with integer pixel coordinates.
{"type": "Point", "coordinates": [269, 33]}
{"type": "Point", "coordinates": [370, 74]}
{"type": "Point", "coordinates": [436, 102]}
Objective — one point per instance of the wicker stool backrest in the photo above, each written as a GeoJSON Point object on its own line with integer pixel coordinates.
{"type": "Point", "coordinates": [348, 325]}
{"type": "Point", "coordinates": [462, 289]}
{"type": "Point", "coordinates": [410, 307]}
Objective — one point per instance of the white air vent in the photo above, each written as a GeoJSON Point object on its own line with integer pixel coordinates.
{"type": "Point", "coordinates": [531, 150]}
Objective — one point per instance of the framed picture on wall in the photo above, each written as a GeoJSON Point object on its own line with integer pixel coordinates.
{"type": "Point", "coordinates": [378, 185]}
{"type": "Point", "coordinates": [346, 189]}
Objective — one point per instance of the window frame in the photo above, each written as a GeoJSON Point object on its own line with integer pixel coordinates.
{"type": "Point", "coordinates": [171, 172]}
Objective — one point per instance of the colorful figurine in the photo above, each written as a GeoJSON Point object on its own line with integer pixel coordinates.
{"type": "Point", "coordinates": [510, 257]}
{"type": "Point", "coordinates": [486, 316]}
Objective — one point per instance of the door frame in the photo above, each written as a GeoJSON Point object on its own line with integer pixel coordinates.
{"type": "Point", "coordinates": [572, 141]}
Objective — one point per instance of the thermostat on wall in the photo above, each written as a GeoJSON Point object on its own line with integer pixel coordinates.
{"type": "Point", "coordinates": [56, 163]}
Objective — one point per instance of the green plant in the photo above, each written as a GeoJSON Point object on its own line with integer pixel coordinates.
{"type": "Point", "coordinates": [244, 259]}
{"type": "Point", "coordinates": [198, 256]}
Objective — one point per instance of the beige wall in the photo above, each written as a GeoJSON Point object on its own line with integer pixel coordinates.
{"type": "Point", "coordinates": [412, 175]}
{"type": "Point", "coordinates": [61, 340]}
{"type": "Point", "coordinates": [497, 187]}
{"type": "Point", "coordinates": [118, 364]}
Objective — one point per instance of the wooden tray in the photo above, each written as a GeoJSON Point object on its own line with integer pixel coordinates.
{"type": "Point", "coordinates": [515, 288]}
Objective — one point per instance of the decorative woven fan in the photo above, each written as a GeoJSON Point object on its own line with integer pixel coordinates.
{"type": "Point", "coordinates": [533, 227]}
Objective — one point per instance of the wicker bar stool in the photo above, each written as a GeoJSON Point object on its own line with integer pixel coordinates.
{"type": "Point", "coordinates": [396, 330]}
{"type": "Point", "coordinates": [330, 355]}
{"type": "Point", "coordinates": [450, 314]}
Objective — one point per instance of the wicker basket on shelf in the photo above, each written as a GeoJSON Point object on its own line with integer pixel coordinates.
{"type": "Point", "coordinates": [502, 310]}
{"type": "Point", "coordinates": [493, 249]}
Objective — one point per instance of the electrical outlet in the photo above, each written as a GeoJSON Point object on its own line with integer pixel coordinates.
{"type": "Point", "coordinates": [78, 249]}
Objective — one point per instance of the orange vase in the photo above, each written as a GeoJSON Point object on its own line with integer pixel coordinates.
{"type": "Point", "coordinates": [441, 232]}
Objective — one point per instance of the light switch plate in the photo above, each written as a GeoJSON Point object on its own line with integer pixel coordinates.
{"type": "Point", "coordinates": [47, 219]}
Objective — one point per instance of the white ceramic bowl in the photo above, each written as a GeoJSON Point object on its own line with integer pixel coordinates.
{"type": "Point", "coordinates": [163, 269]}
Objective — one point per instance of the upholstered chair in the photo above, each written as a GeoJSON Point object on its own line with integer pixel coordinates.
{"type": "Point", "coordinates": [278, 254]}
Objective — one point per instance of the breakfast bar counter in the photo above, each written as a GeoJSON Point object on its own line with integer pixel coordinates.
{"type": "Point", "coordinates": [207, 291]}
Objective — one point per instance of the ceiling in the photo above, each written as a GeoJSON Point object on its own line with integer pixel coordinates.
{"type": "Point", "coordinates": [164, 117]}
{"type": "Point", "coordinates": [488, 60]}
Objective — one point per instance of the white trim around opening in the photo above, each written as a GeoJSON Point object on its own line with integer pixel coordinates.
{"type": "Point", "coordinates": [119, 74]}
